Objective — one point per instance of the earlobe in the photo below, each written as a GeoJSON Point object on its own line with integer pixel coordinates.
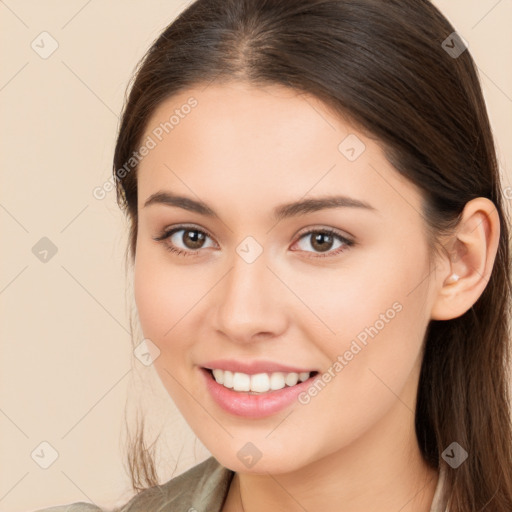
{"type": "Point", "coordinates": [471, 253]}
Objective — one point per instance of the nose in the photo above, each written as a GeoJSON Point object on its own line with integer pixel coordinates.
{"type": "Point", "coordinates": [251, 302]}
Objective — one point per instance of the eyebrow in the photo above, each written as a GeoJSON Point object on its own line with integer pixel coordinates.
{"type": "Point", "coordinates": [280, 212]}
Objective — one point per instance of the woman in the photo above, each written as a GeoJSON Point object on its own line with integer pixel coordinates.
{"type": "Point", "coordinates": [320, 258]}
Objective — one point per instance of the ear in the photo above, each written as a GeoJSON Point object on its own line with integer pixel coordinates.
{"type": "Point", "coordinates": [463, 273]}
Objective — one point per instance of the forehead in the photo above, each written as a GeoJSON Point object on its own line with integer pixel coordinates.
{"type": "Point", "coordinates": [236, 118]}
{"type": "Point", "coordinates": [233, 139]}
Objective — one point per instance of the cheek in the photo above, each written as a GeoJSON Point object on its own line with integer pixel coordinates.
{"type": "Point", "coordinates": [374, 315]}
{"type": "Point", "coordinates": [150, 299]}
{"type": "Point", "coordinates": [163, 293]}
{"type": "Point", "coordinates": [165, 297]}
{"type": "Point", "coordinates": [365, 290]}
{"type": "Point", "coordinates": [373, 355]}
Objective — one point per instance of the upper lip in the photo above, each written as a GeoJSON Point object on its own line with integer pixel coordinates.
{"type": "Point", "coordinates": [253, 367]}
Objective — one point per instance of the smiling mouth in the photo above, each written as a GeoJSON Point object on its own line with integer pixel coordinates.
{"type": "Point", "coordinates": [258, 384]}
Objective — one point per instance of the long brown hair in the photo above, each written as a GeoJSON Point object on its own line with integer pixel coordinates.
{"type": "Point", "coordinates": [396, 69]}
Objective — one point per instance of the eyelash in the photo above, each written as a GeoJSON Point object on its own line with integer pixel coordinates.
{"type": "Point", "coordinates": [324, 231]}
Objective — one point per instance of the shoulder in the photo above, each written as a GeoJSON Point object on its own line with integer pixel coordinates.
{"type": "Point", "coordinates": [203, 488]}
{"type": "Point", "coordinates": [73, 507]}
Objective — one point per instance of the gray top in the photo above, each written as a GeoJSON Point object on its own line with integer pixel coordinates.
{"type": "Point", "coordinates": [203, 488]}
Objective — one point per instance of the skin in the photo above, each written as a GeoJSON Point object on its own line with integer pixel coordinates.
{"type": "Point", "coordinates": [245, 150]}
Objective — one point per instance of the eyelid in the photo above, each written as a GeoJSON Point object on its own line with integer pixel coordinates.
{"type": "Point", "coordinates": [348, 241]}
{"type": "Point", "coordinates": [342, 234]}
{"type": "Point", "coordinates": [168, 231]}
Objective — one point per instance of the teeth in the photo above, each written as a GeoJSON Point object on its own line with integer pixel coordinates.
{"type": "Point", "coordinates": [258, 383]}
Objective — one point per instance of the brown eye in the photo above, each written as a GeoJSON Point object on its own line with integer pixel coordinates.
{"type": "Point", "coordinates": [192, 238]}
{"type": "Point", "coordinates": [185, 240]}
{"type": "Point", "coordinates": [324, 242]}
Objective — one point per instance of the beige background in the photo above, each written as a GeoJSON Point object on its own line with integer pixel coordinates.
{"type": "Point", "coordinates": [66, 366]}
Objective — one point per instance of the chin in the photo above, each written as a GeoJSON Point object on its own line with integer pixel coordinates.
{"type": "Point", "coordinates": [272, 463]}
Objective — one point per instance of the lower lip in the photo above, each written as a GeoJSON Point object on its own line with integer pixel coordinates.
{"type": "Point", "coordinates": [253, 406]}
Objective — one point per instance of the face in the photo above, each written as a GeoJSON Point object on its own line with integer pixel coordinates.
{"type": "Point", "coordinates": [339, 287]}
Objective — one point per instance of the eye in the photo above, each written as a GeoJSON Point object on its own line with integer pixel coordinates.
{"type": "Point", "coordinates": [184, 240]}
{"type": "Point", "coordinates": [187, 240]}
{"type": "Point", "coordinates": [326, 241]}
